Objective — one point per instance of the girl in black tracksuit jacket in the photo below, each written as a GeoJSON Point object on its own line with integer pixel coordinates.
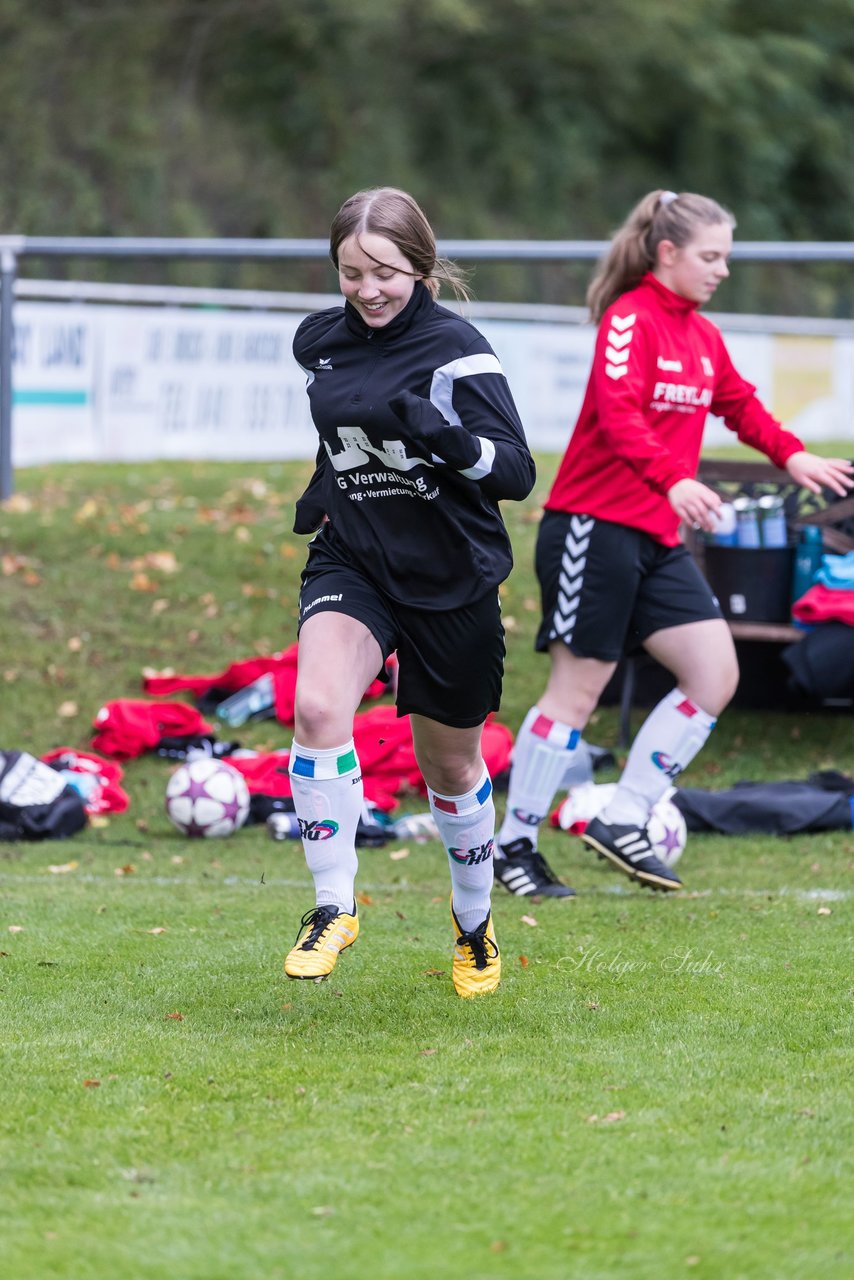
{"type": "Point", "coordinates": [419, 440]}
{"type": "Point", "coordinates": [430, 536]}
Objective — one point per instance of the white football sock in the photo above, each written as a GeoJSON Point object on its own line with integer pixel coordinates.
{"type": "Point", "coordinates": [665, 744]}
{"type": "Point", "coordinates": [543, 753]}
{"type": "Point", "coordinates": [328, 793]}
{"type": "Point", "coordinates": [466, 825]}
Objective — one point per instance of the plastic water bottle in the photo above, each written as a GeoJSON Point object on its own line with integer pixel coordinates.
{"type": "Point", "coordinates": [808, 558]}
{"type": "Point", "coordinates": [773, 519]}
{"type": "Point", "coordinates": [257, 699]}
{"type": "Point", "coordinates": [746, 522]}
{"type": "Point", "coordinates": [83, 783]}
{"type": "Point", "coordinates": [419, 827]}
{"type": "Point", "coordinates": [283, 826]}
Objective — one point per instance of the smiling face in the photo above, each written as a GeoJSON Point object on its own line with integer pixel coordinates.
{"type": "Point", "coordinates": [375, 277]}
{"type": "Point", "coordinates": [696, 270]}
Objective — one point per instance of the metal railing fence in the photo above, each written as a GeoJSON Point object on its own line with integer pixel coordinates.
{"type": "Point", "coordinates": [14, 248]}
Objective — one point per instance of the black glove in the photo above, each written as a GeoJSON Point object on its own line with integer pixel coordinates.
{"type": "Point", "coordinates": [429, 433]}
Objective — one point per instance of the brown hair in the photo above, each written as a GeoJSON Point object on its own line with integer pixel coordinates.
{"type": "Point", "coordinates": [661, 215]}
{"type": "Point", "coordinates": [389, 212]}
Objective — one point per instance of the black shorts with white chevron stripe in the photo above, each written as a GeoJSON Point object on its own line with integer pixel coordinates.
{"type": "Point", "coordinates": [605, 588]}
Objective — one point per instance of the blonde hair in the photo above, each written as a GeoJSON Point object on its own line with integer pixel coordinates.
{"type": "Point", "coordinates": [392, 213]}
{"type": "Point", "coordinates": [660, 215]}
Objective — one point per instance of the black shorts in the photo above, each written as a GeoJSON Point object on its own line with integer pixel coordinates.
{"type": "Point", "coordinates": [606, 588]}
{"type": "Point", "coordinates": [450, 662]}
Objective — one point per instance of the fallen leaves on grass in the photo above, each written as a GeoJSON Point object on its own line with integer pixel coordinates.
{"type": "Point", "coordinates": [127, 870]}
{"type": "Point", "coordinates": [530, 920]}
{"type": "Point", "coordinates": [524, 962]}
{"type": "Point", "coordinates": [11, 564]}
{"type": "Point", "coordinates": [160, 561]}
{"type": "Point", "coordinates": [61, 868]}
{"type": "Point", "coordinates": [176, 1016]}
{"type": "Point", "coordinates": [322, 1211]}
{"type": "Point", "coordinates": [435, 973]}
{"type": "Point", "coordinates": [18, 504]}
{"type": "Point", "coordinates": [613, 1117]}
{"type": "Point", "coordinates": [825, 911]}
{"type": "Point", "coordinates": [397, 854]}
{"type": "Point", "coordinates": [157, 930]}
{"type": "Point", "coordinates": [91, 1084]}
{"type": "Point", "coordinates": [427, 1053]}
{"type": "Point", "coordinates": [16, 928]}
{"type": "Point", "coordinates": [87, 512]}
{"type": "Point", "coordinates": [67, 710]}
{"type": "Point", "coordinates": [365, 899]}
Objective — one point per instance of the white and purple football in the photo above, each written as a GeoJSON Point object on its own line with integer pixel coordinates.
{"type": "Point", "coordinates": [665, 827]}
{"type": "Point", "coordinates": [667, 831]}
{"type": "Point", "coordinates": [207, 798]}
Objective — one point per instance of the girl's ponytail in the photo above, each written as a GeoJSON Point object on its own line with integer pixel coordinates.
{"type": "Point", "coordinates": [660, 215]}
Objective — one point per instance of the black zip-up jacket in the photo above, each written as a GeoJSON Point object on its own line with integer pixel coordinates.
{"type": "Point", "coordinates": [429, 536]}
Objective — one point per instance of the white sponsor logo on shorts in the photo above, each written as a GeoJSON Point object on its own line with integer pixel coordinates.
{"type": "Point", "coordinates": [324, 600]}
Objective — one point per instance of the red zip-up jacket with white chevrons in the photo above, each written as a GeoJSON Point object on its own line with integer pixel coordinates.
{"type": "Point", "coordinates": [659, 368]}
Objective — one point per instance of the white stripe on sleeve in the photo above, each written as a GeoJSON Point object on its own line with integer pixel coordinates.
{"type": "Point", "coordinates": [442, 386]}
{"type": "Point", "coordinates": [484, 465]}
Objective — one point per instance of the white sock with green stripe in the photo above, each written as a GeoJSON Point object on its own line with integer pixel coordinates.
{"type": "Point", "coordinates": [466, 825]}
{"type": "Point", "coordinates": [328, 793]}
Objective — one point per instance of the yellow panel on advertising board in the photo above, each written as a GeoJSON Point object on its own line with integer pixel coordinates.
{"type": "Point", "coordinates": [803, 373]}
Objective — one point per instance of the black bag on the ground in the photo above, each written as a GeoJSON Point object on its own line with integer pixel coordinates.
{"type": "Point", "coordinates": [821, 665]}
{"type": "Point", "coordinates": [36, 803]}
{"type": "Point", "coordinates": [825, 802]}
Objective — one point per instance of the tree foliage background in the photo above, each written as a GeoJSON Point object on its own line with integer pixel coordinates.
{"type": "Point", "coordinates": [510, 118]}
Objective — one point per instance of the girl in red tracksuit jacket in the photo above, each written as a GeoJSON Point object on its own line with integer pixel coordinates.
{"type": "Point", "coordinates": [612, 570]}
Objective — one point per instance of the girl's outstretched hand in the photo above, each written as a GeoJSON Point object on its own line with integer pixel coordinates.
{"type": "Point", "coordinates": [816, 473]}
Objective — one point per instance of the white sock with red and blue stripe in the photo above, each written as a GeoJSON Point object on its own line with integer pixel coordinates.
{"type": "Point", "coordinates": [466, 825]}
{"type": "Point", "coordinates": [543, 751]}
{"type": "Point", "coordinates": [665, 744]}
{"type": "Point", "coordinates": [327, 790]}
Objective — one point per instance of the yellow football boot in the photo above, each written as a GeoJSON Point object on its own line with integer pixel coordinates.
{"type": "Point", "coordinates": [326, 932]}
{"type": "Point", "coordinates": [477, 961]}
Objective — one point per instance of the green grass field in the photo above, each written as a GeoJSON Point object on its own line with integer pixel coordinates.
{"type": "Point", "coordinates": [660, 1088]}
